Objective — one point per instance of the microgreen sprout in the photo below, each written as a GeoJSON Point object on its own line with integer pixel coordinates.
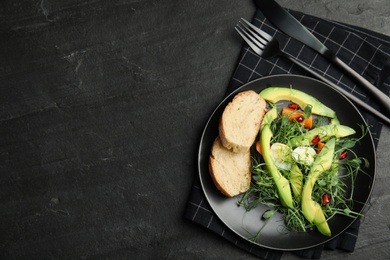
{"type": "Point", "coordinates": [337, 183]}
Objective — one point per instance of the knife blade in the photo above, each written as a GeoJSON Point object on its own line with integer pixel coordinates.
{"type": "Point", "coordinates": [287, 23]}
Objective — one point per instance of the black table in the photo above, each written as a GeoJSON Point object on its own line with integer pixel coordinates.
{"type": "Point", "coordinates": [102, 108]}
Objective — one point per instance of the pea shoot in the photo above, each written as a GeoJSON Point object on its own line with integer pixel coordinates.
{"type": "Point", "coordinates": [333, 190]}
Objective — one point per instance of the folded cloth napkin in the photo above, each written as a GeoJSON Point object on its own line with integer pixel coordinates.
{"type": "Point", "coordinates": [365, 51]}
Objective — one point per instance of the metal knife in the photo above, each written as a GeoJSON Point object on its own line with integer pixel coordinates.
{"type": "Point", "coordinates": [287, 23]}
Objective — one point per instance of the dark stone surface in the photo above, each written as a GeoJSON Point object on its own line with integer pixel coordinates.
{"type": "Point", "coordinates": [102, 107]}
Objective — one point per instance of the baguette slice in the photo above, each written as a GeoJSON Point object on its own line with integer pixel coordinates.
{"type": "Point", "coordinates": [240, 121]}
{"type": "Point", "coordinates": [229, 170]}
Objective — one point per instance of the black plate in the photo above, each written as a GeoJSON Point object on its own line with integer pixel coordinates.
{"type": "Point", "coordinates": [274, 235]}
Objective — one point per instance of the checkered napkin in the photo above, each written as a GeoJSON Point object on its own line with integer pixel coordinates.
{"type": "Point", "coordinates": [365, 51]}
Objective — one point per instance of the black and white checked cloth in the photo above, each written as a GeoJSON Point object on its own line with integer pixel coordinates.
{"type": "Point", "coordinates": [365, 51]}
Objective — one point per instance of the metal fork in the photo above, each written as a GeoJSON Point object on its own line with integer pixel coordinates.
{"type": "Point", "coordinates": [267, 47]}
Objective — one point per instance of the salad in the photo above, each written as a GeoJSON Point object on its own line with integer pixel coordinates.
{"type": "Point", "coordinates": [302, 162]}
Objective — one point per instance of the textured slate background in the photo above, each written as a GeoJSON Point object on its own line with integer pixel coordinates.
{"type": "Point", "coordinates": [102, 104]}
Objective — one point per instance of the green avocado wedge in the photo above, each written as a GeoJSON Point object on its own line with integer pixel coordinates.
{"type": "Point", "coordinates": [269, 117]}
{"type": "Point", "coordinates": [323, 132]}
{"type": "Point", "coordinates": [296, 181]}
{"type": "Point", "coordinates": [311, 209]}
{"type": "Point", "coordinates": [282, 184]}
{"type": "Point", "coordinates": [275, 94]}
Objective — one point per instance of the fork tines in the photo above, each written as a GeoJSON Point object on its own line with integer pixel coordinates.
{"type": "Point", "coordinates": [253, 36]}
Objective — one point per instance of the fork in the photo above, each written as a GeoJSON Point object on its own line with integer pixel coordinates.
{"type": "Point", "coordinates": [267, 47]}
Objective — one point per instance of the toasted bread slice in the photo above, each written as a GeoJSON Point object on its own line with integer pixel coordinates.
{"type": "Point", "coordinates": [240, 121]}
{"type": "Point", "coordinates": [229, 170]}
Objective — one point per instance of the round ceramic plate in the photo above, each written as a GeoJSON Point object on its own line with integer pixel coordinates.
{"type": "Point", "coordinates": [274, 235]}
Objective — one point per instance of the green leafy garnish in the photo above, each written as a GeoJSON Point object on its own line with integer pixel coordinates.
{"type": "Point", "coordinates": [337, 182]}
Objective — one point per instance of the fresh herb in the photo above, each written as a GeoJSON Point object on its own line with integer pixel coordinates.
{"type": "Point", "coordinates": [307, 110]}
{"type": "Point", "coordinates": [338, 199]}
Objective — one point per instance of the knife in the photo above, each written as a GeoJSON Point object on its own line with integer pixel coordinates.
{"type": "Point", "coordinates": [285, 22]}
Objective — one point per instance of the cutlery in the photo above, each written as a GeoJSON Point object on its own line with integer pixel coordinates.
{"type": "Point", "coordinates": [285, 22]}
{"type": "Point", "coordinates": [267, 47]}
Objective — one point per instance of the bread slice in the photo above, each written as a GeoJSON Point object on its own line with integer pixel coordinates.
{"type": "Point", "coordinates": [240, 121]}
{"type": "Point", "coordinates": [229, 170]}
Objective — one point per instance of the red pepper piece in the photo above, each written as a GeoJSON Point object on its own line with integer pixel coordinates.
{"type": "Point", "coordinates": [325, 199]}
{"type": "Point", "coordinates": [343, 155]}
{"type": "Point", "coordinates": [315, 140]}
{"type": "Point", "coordinates": [293, 106]}
{"type": "Point", "coordinates": [300, 119]}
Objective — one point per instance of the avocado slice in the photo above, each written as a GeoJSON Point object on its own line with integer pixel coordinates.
{"type": "Point", "coordinates": [275, 94]}
{"type": "Point", "coordinates": [296, 181]}
{"type": "Point", "coordinates": [282, 184]}
{"type": "Point", "coordinates": [269, 117]}
{"type": "Point", "coordinates": [321, 223]}
{"type": "Point", "coordinates": [311, 209]}
{"type": "Point", "coordinates": [323, 132]}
